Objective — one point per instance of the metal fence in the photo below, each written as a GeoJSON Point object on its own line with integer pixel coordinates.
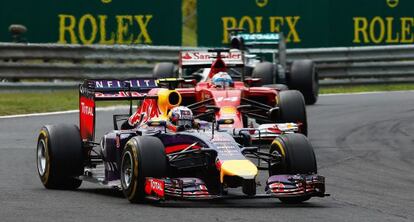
{"type": "Point", "coordinates": [361, 65]}
{"type": "Point", "coordinates": [351, 65]}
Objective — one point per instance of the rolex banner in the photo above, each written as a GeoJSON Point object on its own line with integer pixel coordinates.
{"type": "Point", "coordinates": [155, 22]}
{"type": "Point", "coordinates": [310, 23]}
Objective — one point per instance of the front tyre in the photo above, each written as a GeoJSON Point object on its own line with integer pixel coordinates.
{"type": "Point", "coordinates": [143, 156]}
{"type": "Point", "coordinates": [59, 156]}
{"type": "Point", "coordinates": [298, 157]}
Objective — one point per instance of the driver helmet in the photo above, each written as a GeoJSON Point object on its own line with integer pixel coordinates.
{"type": "Point", "coordinates": [181, 117]}
{"type": "Point", "coordinates": [222, 80]}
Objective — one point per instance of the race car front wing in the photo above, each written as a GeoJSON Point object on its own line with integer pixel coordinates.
{"type": "Point", "coordinates": [296, 185]}
{"type": "Point", "coordinates": [277, 186]}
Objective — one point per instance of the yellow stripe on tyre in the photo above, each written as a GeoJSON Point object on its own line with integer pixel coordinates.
{"type": "Point", "coordinates": [45, 177]}
{"type": "Point", "coordinates": [281, 149]}
{"type": "Point", "coordinates": [134, 181]}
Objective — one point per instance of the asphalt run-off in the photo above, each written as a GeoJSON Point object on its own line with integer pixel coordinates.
{"type": "Point", "coordinates": [363, 143]}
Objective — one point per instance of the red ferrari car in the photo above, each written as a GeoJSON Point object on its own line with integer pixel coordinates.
{"type": "Point", "coordinates": [219, 87]}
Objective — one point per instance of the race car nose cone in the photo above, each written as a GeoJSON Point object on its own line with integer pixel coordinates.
{"type": "Point", "coordinates": [241, 168]}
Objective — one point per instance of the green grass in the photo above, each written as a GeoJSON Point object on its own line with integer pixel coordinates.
{"type": "Point", "coordinates": [49, 101]}
{"type": "Point", "coordinates": [37, 102]}
{"type": "Point", "coordinates": [366, 88]}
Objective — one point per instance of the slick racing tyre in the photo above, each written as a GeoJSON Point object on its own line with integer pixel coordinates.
{"type": "Point", "coordinates": [60, 156]}
{"type": "Point", "coordinates": [298, 157]}
{"type": "Point", "coordinates": [143, 156]}
{"type": "Point", "coordinates": [265, 71]}
{"type": "Point", "coordinates": [164, 70]}
{"type": "Point", "coordinates": [292, 109]}
{"type": "Point", "coordinates": [303, 77]}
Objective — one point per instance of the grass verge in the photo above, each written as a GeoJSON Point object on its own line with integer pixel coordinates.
{"type": "Point", "coordinates": [14, 103]}
{"type": "Point", "coordinates": [365, 88]}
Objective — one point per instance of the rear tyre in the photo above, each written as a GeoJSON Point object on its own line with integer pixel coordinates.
{"type": "Point", "coordinates": [143, 156]}
{"type": "Point", "coordinates": [164, 70]}
{"type": "Point", "coordinates": [265, 71]}
{"type": "Point", "coordinates": [60, 156]}
{"type": "Point", "coordinates": [303, 77]}
{"type": "Point", "coordinates": [298, 157]}
{"type": "Point", "coordinates": [293, 109]}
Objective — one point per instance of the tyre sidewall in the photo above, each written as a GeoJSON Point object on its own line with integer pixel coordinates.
{"type": "Point", "coordinates": [44, 137]}
{"type": "Point", "coordinates": [279, 146]}
{"type": "Point", "coordinates": [149, 160]}
{"type": "Point", "coordinates": [64, 156]}
{"type": "Point", "coordinates": [134, 188]}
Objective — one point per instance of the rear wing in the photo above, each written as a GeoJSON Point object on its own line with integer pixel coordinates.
{"type": "Point", "coordinates": [259, 39]}
{"type": "Point", "coordinates": [204, 59]}
{"type": "Point", "coordinates": [114, 89]}
{"type": "Point", "coordinates": [260, 43]}
{"type": "Point", "coordinates": [91, 91]}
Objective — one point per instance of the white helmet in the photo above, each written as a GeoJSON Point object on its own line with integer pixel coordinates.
{"type": "Point", "coordinates": [181, 117]}
{"type": "Point", "coordinates": [222, 79]}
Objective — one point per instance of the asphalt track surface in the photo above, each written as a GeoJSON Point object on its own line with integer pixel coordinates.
{"type": "Point", "coordinates": [364, 146]}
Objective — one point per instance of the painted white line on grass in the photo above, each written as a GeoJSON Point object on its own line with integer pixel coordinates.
{"type": "Point", "coordinates": [109, 108]}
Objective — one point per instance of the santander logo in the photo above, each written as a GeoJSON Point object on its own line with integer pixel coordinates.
{"type": "Point", "coordinates": [187, 56]}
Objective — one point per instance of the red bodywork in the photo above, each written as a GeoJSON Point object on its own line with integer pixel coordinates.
{"type": "Point", "coordinates": [228, 99]}
{"type": "Point", "coordinates": [147, 110]}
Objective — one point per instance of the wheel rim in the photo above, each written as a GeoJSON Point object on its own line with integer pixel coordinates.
{"type": "Point", "coordinates": [41, 157]}
{"type": "Point", "coordinates": [127, 169]}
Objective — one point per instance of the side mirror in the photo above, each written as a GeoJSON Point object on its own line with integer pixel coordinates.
{"type": "Point", "coordinates": [201, 124]}
{"type": "Point", "coordinates": [215, 108]}
{"type": "Point", "coordinates": [244, 107]}
{"type": "Point", "coordinates": [223, 121]}
{"type": "Point", "coordinates": [274, 113]}
{"type": "Point", "coordinates": [252, 81]}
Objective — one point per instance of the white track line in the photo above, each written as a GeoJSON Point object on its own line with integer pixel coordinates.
{"type": "Point", "coordinates": [123, 107]}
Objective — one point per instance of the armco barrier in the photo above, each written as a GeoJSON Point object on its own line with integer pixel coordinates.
{"type": "Point", "coordinates": [341, 65]}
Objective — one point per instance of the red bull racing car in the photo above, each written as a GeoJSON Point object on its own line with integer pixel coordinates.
{"type": "Point", "coordinates": [168, 154]}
